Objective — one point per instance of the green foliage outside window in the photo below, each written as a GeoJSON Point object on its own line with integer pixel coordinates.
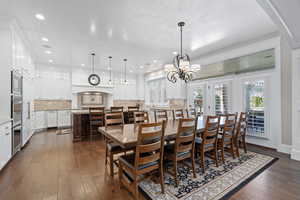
{"type": "Point", "coordinates": [257, 102]}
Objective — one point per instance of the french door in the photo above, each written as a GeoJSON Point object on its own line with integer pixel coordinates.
{"type": "Point", "coordinates": [211, 98]}
{"type": "Point", "coordinates": [254, 94]}
{"type": "Point", "coordinates": [197, 98]}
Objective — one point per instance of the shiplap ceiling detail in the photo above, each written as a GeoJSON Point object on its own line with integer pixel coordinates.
{"type": "Point", "coordinates": [143, 31]}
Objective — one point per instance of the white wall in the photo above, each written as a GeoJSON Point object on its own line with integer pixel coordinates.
{"type": "Point", "coordinates": [173, 90]}
{"type": "Point", "coordinates": [5, 66]}
{"type": "Point", "coordinates": [274, 81]}
{"type": "Point", "coordinates": [57, 82]}
{"type": "Point", "coordinates": [52, 82]}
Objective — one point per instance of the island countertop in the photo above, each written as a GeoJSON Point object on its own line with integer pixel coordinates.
{"type": "Point", "coordinates": [80, 112]}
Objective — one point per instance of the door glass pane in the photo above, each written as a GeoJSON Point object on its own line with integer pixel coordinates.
{"type": "Point", "coordinates": [255, 107]}
{"type": "Point", "coordinates": [198, 95]}
{"type": "Point", "coordinates": [222, 99]}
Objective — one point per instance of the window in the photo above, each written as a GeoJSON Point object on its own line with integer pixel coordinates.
{"type": "Point", "coordinates": [222, 98]}
{"type": "Point", "coordinates": [157, 91]}
{"type": "Point", "coordinates": [255, 107]}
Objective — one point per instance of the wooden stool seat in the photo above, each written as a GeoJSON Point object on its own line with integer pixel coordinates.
{"type": "Point", "coordinates": [96, 118]}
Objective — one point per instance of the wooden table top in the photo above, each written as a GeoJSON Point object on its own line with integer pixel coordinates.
{"type": "Point", "coordinates": [126, 136]}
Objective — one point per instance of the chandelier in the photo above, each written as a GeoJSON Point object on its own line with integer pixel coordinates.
{"type": "Point", "coordinates": [181, 62]}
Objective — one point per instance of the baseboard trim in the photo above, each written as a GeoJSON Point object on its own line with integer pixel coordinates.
{"type": "Point", "coordinates": [295, 154]}
{"type": "Point", "coordinates": [284, 148]}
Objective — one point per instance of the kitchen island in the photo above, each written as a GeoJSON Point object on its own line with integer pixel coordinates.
{"type": "Point", "coordinates": [81, 124]}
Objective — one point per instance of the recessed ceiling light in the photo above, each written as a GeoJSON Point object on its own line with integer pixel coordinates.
{"type": "Point", "coordinates": [93, 27]}
{"type": "Point", "coordinates": [155, 61]}
{"type": "Point", "coordinates": [130, 71]}
{"type": "Point", "coordinates": [48, 52]}
{"type": "Point", "coordinates": [82, 65]}
{"type": "Point", "coordinates": [50, 61]}
{"type": "Point", "coordinates": [142, 67]}
{"type": "Point", "coordinates": [39, 16]}
{"type": "Point", "coordinates": [175, 52]}
{"type": "Point", "coordinates": [45, 39]}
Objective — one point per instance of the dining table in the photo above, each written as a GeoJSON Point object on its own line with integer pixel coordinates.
{"type": "Point", "coordinates": [127, 135]}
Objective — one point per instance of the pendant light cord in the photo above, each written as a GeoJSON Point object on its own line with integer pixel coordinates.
{"type": "Point", "coordinates": [110, 67]}
{"type": "Point", "coordinates": [93, 63]}
{"type": "Point", "coordinates": [125, 61]}
{"type": "Point", "coordinates": [181, 41]}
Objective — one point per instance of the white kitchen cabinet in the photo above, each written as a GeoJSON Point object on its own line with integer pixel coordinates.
{"type": "Point", "coordinates": [40, 120]}
{"type": "Point", "coordinates": [51, 119]}
{"type": "Point", "coordinates": [176, 90]}
{"type": "Point", "coordinates": [5, 144]}
{"type": "Point", "coordinates": [64, 118]}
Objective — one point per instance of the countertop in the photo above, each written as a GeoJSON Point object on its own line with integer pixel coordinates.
{"type": "Point", "coordinates": [80, 112]}
{"type": "Point", "coordinates": [4, 120]}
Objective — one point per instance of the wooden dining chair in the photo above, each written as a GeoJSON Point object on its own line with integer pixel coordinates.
{"type": "Point", "coordinates": [160, 115]}
{"type": "Point", "coordinates": [131, 110]}
{"type": "Point", "coordinates": [141, 117]}
{"type": "Point", "coordinates": [184, 146]}
{"type": "Point", "coordinates": [209, 140]}
{"type": "Point", "coordinates": [148, 157]}
{"type": "Point", "coordinates": [226, 138]}
{"type": "Point", "coordinates": [96, 118]}
{"type": "Point", "coordinates": [191, 112]}
{"type": "Point", "coordinates": [113, 120]}
{"type": "Point", "coordinates": [178, 114]}
{"type": "Point", "coordinates": [116, 109]}
{"type": "Point", "coordinates": [240, 135]}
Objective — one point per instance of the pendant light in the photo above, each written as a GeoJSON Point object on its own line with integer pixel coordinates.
{"type": "Point", "coordinates": [93, 79]}
{"type": "Point", "coordinates": [125, 69]}
{"type": "Point", "coordinates": [110, 71]}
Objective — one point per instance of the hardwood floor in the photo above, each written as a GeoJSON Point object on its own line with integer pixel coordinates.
{"type": "Point", "coordinates": [52, 167]}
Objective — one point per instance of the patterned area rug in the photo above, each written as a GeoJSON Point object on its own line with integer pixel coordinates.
{"type": "Point", "coordinates": [215, 183]}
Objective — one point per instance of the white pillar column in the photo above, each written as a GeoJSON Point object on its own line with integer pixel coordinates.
{"type": "Point", "coordinates": [295, 153]}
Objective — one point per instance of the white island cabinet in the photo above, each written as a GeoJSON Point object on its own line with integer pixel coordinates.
{"type": "Point", "coordinates": [51, 119]}
{"type": "Point", "coordinates": [5, 143]}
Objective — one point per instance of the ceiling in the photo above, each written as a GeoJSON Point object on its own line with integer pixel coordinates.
{"type": "Point", "coordinates": [286, 16]}
{"type": "Point", "coordinates": [145, 32]}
